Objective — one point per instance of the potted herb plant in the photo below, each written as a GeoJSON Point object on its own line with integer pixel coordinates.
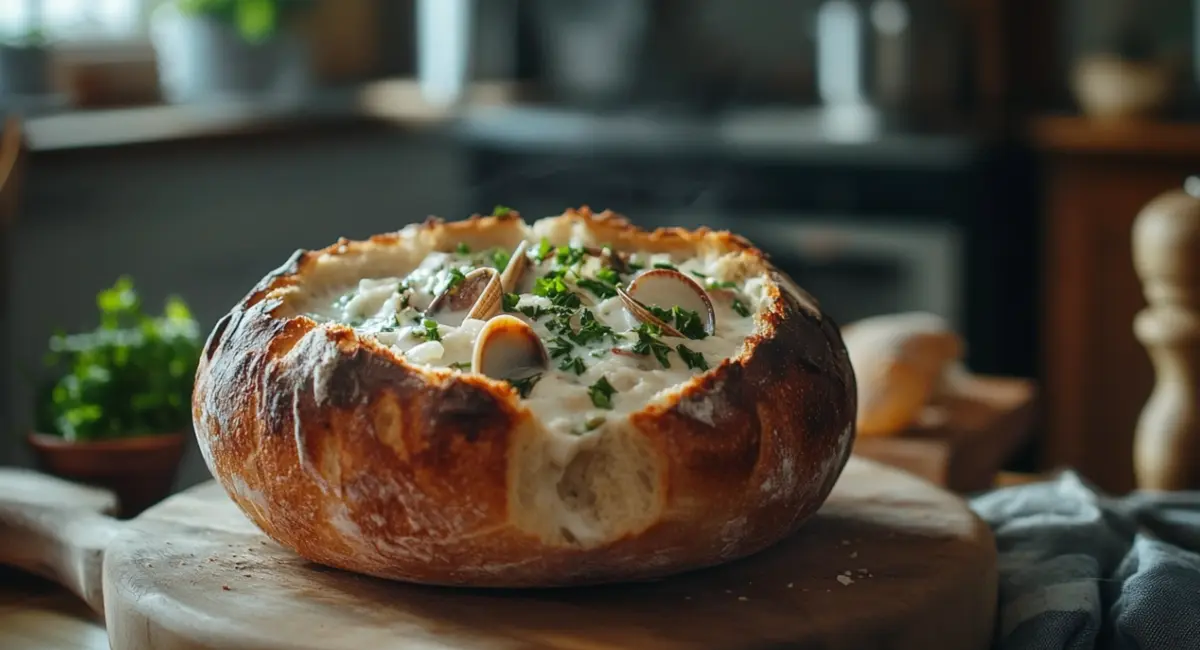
{"type": "Point", "coordinates": [221, 49]}
{"type": "Point", "coordinates": [117, 410]}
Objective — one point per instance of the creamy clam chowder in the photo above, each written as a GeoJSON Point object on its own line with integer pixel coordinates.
{"type": "Point", "coordinates": [585, 335]}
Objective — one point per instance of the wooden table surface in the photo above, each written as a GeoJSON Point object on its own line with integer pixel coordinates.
{"type": "Point", "coordinates": [38, 615]}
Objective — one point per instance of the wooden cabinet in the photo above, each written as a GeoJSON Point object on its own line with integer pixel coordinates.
{"type": "Point", "coordinates": [1097, 376]}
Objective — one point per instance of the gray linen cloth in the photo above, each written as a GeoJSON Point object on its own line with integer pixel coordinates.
{"type": "Point", "coordinates": [1081, 570]}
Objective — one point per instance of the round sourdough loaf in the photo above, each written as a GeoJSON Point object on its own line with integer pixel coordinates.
{"type": "Point", "coordinates": [341, 448]}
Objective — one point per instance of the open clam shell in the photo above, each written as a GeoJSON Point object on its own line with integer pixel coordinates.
{"type": "Point", "coordinates": [478, 296]}
{"type": "Point", "coordinates": [665, 289]}
{"type": "Point", "coordinates": [514, 271]}
{"type": "Point", "coordinates": [508, 348]}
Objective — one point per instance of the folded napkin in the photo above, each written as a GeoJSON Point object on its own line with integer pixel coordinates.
{"type": "Point", "coordinates": [1081, 570]}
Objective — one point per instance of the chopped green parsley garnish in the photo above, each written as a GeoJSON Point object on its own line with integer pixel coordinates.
{"type": "Point", "coordinates": [572, 364]}
{"type": "Point", "coordinates": [665, 265]}
{"type": "Point", "coordinates": [560, 347]}
{"type": "Point", "coordinates": [543, 251]}
{"type": "Point", "coordinates": [461, 365]}
{"type": "Point", "coordinates": [510, 301]}
{"type": "Point", "coordinates": [688, 323]}
{"type": "Point", "coordinates": [462, 249]}
{"type": "Point", "coordinates": [500, 258]}
{"type": "Point", "coordinates": [601, 393]}
{"type": "Point", "coordinates": [501, 211]}
{"type": "Point", "coordinates": [533, 311]}
{"type": "Point", "coordinates": [454, 278]}
{"type": "Point", "coordinates": [594, 423]}
{"type": "Point", "coordinates": [692, 358]}
{"type": "Point", "coordinates": [591, 329]}
{"type": "Point", "coordinates": [568, 255]}
{"type": "Point", "coordinates": [648, 343]}
{"type": "Point", "coordinates": [740, 308]}
{"type": "Point", "coordinates": [553, 287]}
{"type": "Point", "coordinates": [525, 386]}
{"type": "Point", "coordinates": [608, 275]}
{"type": "Point", "coordinates": [721, 284]}
{"type": "Point", "coordinates": [600, 289]}
{"type": "Point", "coordinates": [663, 315]}
{"type": "Point", "coordinates": [431, 330]}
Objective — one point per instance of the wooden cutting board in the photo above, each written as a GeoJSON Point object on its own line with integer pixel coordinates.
{"type": "Point", "coordinates": [889, 561]}
{"type": "Point", "coordinates": [962, 441]}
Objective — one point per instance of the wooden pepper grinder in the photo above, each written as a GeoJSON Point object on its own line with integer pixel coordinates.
{"type": "Point", "coordinates": [1166, 256]}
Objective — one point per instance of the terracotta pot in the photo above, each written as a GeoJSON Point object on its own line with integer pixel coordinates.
{"type": "Point", "coordinates": [140, 471]}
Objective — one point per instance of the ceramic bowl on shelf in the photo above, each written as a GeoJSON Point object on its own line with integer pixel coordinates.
{"type": "Point", "coordinates": [1112, 88]}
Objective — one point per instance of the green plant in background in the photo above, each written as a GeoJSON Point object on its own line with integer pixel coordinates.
{"type": "Point", "coordinates": [130, 376]}
{"type": "Point", "coordinates": [255, 20]}
{"type": "Point", "coordinates": [32, 37]}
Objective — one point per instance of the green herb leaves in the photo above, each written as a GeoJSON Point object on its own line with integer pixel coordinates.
{"type": "Point", "coordinates": [564, 345]}
{"type": "Point", "coordinates": [591, 330]}
{"type": "Point", "coordinates": [131, 376]}
{"type": "Point", "coordinates": [694, 360]}
{"type": "Point", "coordinates": [543, 250]}
{"type": "Point", "coordinates": [454, 277]}
{"type": "Point", "coordinates": [525, 385]}
{"type": "Point", "coordinates": [740, 308]}
{"type": "Point", "coordinates": [572, 364]}
{"type": "Point", "coordinates": [560, 347]}
{"type": "Point", "coordinates": [568, 255]}
{"type": "Point", "coordinates": [608, 275]}
{"type": "Point", "coordinates": [686, 322]}
{"type": "Point", "coordinates": [500, 258]}
{"type": "Point", "coordinates": [431, 332]}
{"type": "Point", "coordinates": [553, 287]}
{"type": "Point", "coordinates": [601, 393]}
{"type": "Point", "coordinates": [649, 343]}
{"type": "Point", "coordinates": [533, 311]}
{"type": "Point", "coordinates": [509, 301]}
{"type": "Point", "coordinates": [600, 289]}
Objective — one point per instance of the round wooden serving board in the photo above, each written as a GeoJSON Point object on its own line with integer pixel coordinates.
{"type": "Point", "coordinates": [889, 561]}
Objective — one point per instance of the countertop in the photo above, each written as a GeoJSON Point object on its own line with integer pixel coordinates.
{"type": "Point", "coordinates": [396, 101]}
{"type": "Point", "coordinates": [509, 115]}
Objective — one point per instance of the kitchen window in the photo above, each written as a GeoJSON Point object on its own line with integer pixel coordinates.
{"type": "Point", "coordinates": [69, 22]}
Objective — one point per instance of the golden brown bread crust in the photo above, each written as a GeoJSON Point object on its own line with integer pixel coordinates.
{"type": "Point", "coordinates": [900, 362]}
{"type": "Point", "coordinates": [340, 450]}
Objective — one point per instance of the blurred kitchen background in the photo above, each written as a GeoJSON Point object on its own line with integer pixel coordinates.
{"type": "Point", "coordinates": [980, 159]}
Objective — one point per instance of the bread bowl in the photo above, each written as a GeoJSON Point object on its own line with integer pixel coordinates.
{"type": "Point", "coordinates": [363, 450]}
